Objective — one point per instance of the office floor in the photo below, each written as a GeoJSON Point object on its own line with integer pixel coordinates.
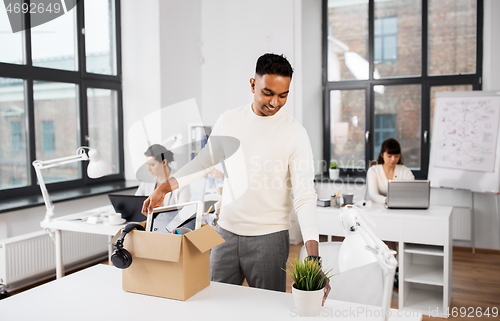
{"type": "Point", "coordinates": [476, 283]}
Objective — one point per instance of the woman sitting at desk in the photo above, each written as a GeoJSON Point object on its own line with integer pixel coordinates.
{"type": "Point", "coordinates": [388, 166]}
{"type": "Point", "coordinates": [159, 167]}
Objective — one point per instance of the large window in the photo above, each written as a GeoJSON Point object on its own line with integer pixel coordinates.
{"type": "Point", "coordinates": [60, 88]}
{"type": "Point", "coordinates": [385, 60]}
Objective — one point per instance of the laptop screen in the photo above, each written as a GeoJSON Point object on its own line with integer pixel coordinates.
{"type": "Point", "coordinates": [408, 194]}
{"type": "Point", "coordinates": [167, 219]}
{"type": "Point", "coordinates": [129, 206]}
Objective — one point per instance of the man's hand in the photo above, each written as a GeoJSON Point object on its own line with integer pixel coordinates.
{"type": "Point", "coordinates": [312, 248]}
{"type": "Point", "coordinates": [327, 291]}
{"type": "Point", "coordinates": [156, 198]}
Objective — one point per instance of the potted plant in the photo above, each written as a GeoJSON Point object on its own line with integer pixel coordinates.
{"type": "Point", "coordinates": [334, 170]}
{"type": "Point", "coordinates": [307, 288]}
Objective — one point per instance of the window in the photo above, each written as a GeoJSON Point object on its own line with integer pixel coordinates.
{"type": "Point", "coordinates": [386, 39]}
{"type": "Point", "coordinates": [48, 137]}
{"type": "Point", "coordinates": [60, 88]}
{"type": "Point", "coordinates": [13, 160]}
{"type": "Point", "coordinates": [16, 137]}
{"type": "Point", "coordinates": [385, 60]}
{"type": "Point", "coordinates": [385, 128]}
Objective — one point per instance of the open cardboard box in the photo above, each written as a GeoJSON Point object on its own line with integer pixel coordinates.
{"type": "Point", "coordinates": [169, 265]}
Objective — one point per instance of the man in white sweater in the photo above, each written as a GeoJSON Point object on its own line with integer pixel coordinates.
{"type": "Point", "coordinates": [268, 158]}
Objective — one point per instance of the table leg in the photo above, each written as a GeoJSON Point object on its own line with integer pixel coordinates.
{"type": "Point", "coordinates": [59, 259]}
{"type": "Point", "coordinates": [498, 213]}
{"type": "Point", "coordinates": [473, 225]}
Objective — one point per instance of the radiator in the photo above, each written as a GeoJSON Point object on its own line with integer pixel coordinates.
{"type": "Point", "coordinates": [461, 226]}
{"type": "Point", "coordinates": [32, 256]}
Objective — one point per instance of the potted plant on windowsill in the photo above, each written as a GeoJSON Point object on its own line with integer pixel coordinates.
{"type": "Point", "coordinates": [334, 171]}
{"type": "Point", "coordinates": [308, 285]}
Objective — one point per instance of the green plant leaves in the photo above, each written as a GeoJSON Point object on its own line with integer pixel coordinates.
{"type": "Point", "coordinates": [307, 275]}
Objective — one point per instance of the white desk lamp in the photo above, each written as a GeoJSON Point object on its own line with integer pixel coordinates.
{"type": "Point", "coordinates": [96, 168]}
{"type": "Point", "coordinates": [361, 246]}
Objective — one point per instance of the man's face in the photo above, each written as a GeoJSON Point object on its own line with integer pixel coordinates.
{"type": "Point", "coordinates": [270, 93]}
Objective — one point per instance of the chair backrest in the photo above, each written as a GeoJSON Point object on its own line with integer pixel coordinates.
{"type": "Point", "coordinates": [367, 191]}
{"type": "Point", "coordinates": [362, 285]}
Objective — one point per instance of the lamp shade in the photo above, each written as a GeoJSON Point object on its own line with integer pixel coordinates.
{"type": "Point", "coordinates": [97, 167]}
{"type": "Point", "coordinates": [353, 252]}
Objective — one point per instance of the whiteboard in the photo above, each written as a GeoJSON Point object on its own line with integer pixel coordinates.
{"type": "Point", "coordinates": [465, 150]}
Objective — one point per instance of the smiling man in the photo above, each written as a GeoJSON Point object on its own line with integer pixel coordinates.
{"type": "Point", "coordinates": [275, 161]}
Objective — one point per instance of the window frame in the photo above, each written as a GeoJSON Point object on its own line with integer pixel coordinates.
{"type": "Point", "coordinates": [83, 79]}
{"type": "Point", "coordinates": [424, 80]}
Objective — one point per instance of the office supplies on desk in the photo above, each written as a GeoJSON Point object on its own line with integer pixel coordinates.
{"type": "Point", "coordinates": [323, 202]}
{"type": "Point", "coordinates": [129, 206]}
{"type": "Point", "coordinates": [408, 194]}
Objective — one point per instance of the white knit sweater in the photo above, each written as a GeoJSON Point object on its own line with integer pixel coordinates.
{"type": "Point", "coordinates": [266, 158]}
{"type": "Point", "coordinates": [377, 181]}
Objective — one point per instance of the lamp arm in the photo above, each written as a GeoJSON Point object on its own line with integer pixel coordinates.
{"type": "Point", "coordinates": [60, 161]}
{"type": "Point", "coordinates": [39, 165]}
{"type": "Point", "coordinates": [384, 256]}
{"type": "Point", "coordinates": [45, 194]}
{"type": "Point", "coordinates": [387, 261]}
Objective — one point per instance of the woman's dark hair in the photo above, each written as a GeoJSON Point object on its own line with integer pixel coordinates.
{"type": "Point", "coordinates": [160, 153]}
{"type": "Point", "coordinates": [272, 64]}
{"type": "Point", "coordinates": [392, 147]}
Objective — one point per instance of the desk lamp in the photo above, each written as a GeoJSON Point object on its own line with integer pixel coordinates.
{"type": "Point", "coordinates": [361, 246]}
{"type": "Point", "coordinates": [96, 168]}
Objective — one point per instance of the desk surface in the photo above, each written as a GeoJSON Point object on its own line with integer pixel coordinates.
{"type": "Point", "coordinates": [413, 226]}
{"type": "Point", "coordinates": [96, 294]}
{"type": "Point", "coordinates": [73, 223]}
{"type": "Point", "coordinates": [434, 212]}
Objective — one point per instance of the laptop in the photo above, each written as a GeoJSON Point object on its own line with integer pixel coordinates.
{"type": "Point", "coordinates": [167, 219]}
{"type": "Point", "coordinates": [408, 194]}
{"type": "Point", "coordinates": [129, 205]}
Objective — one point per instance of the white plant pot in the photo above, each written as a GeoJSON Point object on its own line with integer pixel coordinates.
{"type": "Point", "coordinates": [308, 303]}
{"type": "Point", "coordinates": [334, 173]}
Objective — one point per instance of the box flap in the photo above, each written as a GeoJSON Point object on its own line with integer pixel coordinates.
{"type": "Point", "coordinates": [204, 238]}
{"type": "Point", "coordinates": [117, 235]}
{"type": "Point", "coordinates": [155, 246]}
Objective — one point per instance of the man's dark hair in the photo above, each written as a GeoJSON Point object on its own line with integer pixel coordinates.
{"type": "Point", "coordinates": [159, 152]}
{"type": "Point", "coordinates": [272, 64]}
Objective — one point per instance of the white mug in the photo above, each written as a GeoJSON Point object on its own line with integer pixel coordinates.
{"type": "Point", "coordinates": [115, 218]}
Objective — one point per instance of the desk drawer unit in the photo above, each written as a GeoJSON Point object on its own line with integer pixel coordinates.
{"type": "Point", "coordinates": [424, 231]}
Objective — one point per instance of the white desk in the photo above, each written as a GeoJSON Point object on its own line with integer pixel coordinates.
{"type": "Point", "coordinates": [425, 251]}
{"type": "Point", "coordinates": [96, 294]}
{"type": "Point", "coordinates": [69, 223]}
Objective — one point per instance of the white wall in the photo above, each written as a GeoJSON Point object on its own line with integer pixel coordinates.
{"type": "Point", "coordinates": [180, 53]}
{"type": "Point", "coordinates": [140, 63]}
{"type": "Point", "coordinates": [310, 104]}
{"type": "Point", "coordinates": [234, 34]}
{"type": "Point", "coordinates": [491, 49]}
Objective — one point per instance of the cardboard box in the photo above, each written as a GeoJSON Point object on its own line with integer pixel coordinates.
{"type": "Point", "coordinates": [169, 265]}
